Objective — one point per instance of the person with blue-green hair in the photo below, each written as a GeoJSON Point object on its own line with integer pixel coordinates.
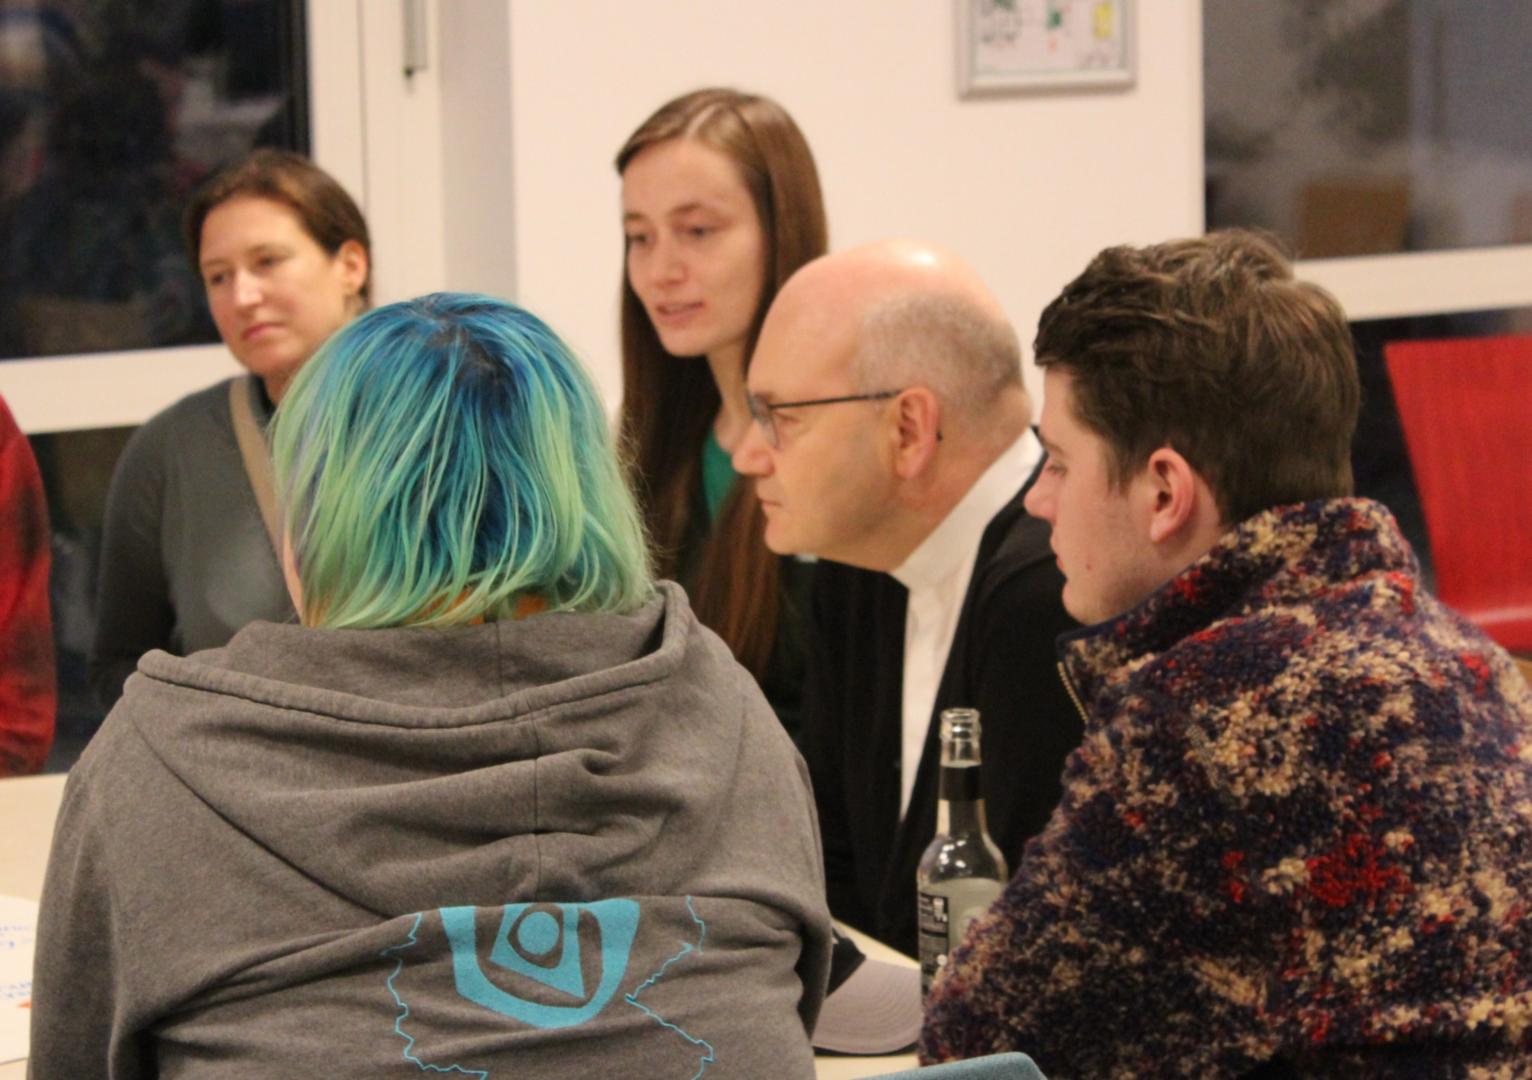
{"type": "Point", "coordinates": [472, 480]}
{"type": "Point", "coordinates": [499, 800]}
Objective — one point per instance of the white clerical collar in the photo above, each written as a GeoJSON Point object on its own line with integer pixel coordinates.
{"type": "Point", "coordinates": [952, 544]}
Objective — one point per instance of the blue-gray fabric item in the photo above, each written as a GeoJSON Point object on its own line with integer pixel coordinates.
{"type": "Point", "coordinates": [1010, 1066]}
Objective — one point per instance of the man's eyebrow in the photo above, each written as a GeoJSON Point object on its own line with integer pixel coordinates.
{"type": "Point", "coordinates": [1048, 445]}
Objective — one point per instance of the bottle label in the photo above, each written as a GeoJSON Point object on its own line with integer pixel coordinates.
{"type": "Point", "coordinates": [944, 910]}
{"type": "Point", "coordinates": [931, 922]}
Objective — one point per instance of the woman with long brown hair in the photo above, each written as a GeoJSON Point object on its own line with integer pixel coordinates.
{"type": "Point", "coordinates": [721, 203]}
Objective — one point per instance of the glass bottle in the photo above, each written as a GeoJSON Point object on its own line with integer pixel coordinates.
{"type": "Point", "coordinates": [961, 871]}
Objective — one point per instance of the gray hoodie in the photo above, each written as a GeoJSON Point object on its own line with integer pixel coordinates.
{"type": "Point", "coordinates": [571, 845]}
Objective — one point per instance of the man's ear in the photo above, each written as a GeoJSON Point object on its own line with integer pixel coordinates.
{"type": "Point", "coordinates": [1173, 491]}
{"type": "Point", "coordinates": [917, 429]}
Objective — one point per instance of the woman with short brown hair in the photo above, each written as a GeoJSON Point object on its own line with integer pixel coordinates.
{"type": "Point", "coordinates": [188, 555]}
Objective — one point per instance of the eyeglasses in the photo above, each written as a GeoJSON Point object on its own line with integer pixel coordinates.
{"type": "Point", "coordinates": [764, 412]}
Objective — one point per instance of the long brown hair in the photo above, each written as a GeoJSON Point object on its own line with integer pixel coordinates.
{"type": "Point", "coordinates": [668, 407]}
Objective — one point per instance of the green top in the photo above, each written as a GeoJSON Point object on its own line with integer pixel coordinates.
{"type": "Point", "coordinates": [782, 682]}
{"type": "Point", "coordinates": [718, 475]}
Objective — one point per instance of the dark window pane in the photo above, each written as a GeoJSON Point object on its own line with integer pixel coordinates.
{"type": "Point", "coordinates": [110, 113]}
{"type": "Point", "coordinates": [76, 469]}
{"type": "Point", "coordinates": [1356, 127]}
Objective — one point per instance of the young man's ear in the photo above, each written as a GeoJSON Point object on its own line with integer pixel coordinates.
{"type": "Point", "coordinates": [1174, 492]}
{"type": "Point", "coordinates": [917, 420]}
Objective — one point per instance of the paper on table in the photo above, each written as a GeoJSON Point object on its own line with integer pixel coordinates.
{"type": "Point", "coordinates": [18, 935]}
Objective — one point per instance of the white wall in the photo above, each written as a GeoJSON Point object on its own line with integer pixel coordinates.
{"type": "Point", "coordinates": [478, 173]}
{"type": "Point", "coordinates": [1026, 188]}
{"type": "Point", "coordinates": [402, 137]}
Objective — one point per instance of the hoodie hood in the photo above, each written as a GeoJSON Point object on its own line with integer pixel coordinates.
{"type": "Point", "coordinates": [561, 742]}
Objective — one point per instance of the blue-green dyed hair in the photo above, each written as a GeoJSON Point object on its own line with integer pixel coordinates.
{"type": "Point", "coordinates": [438, 459]}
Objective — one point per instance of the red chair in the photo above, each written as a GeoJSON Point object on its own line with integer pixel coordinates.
{"type": "Point", "coordinates": [1466, 408]}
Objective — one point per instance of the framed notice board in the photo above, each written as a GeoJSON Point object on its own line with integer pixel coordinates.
{"type": "Point", "coordinates": [1009, 46]}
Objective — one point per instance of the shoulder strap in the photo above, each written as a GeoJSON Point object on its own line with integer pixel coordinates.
{"type": "Point", "coordinates": [256, 454]}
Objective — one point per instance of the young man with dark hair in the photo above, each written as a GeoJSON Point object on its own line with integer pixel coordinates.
{"type": "Point", "coordinates": [1297, 836]}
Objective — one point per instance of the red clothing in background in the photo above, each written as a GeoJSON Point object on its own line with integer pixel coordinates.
{"type": "Point", "coordinates": [27, 690]}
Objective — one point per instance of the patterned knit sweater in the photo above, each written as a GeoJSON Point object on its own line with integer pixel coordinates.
{"type": "Point", "coordinates": [1299, 830]}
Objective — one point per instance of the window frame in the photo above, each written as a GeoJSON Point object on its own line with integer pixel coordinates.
{"type": "Point", "coordinates": [1426, 282]}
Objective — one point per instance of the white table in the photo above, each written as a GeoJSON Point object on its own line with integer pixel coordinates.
{"type": "Point", "coordinates": [29, 806]}
{"type": "Point", "coordinates": [27, 809]}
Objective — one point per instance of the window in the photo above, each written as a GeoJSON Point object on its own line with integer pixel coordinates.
{"type": "Point", "coordinates": [1386, 141]}
{"type": "Point", "coordinates": [109, 115]}
{"type": "Point", "coordinates": [1362, 127]}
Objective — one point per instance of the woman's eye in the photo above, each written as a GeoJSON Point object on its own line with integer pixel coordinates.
{"type": "Point", "coordinates": [213, 280]}
{"type": "Point", "coordinates": [1053, 468]}
{"type": "Point", "coordinates": [699, 232]}
{"type": "Point", "coordinates": [636, 239]}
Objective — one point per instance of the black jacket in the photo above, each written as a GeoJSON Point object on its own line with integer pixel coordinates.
{"type": "Point", "coordinates": [1002, 662]}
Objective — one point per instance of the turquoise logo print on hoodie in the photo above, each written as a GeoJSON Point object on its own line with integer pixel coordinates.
{"type": "Point", "coordinates": [536, 944]}
{"type": "Point", "coordinates": [563, 947]}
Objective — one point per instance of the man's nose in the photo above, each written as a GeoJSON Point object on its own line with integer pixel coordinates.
{"type": "Point", "coordinates": [752, 457]}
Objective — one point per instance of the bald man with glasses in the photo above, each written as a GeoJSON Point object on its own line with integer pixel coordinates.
{"type": "Point", "coordinates": [892, 440]}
